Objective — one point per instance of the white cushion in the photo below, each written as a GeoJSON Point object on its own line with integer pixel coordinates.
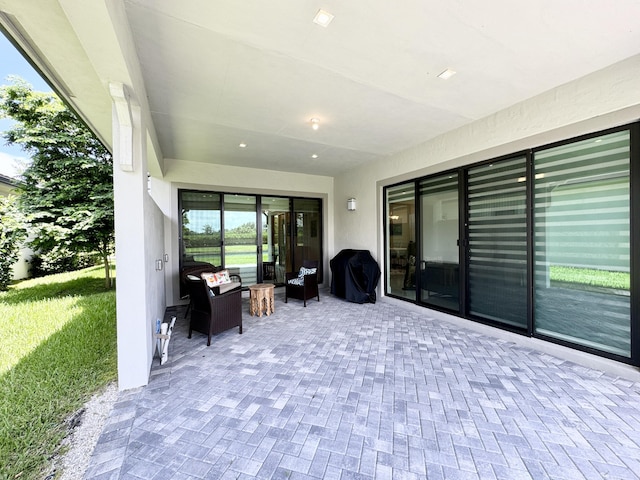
{"type": "Point", "coordinates": [227, 287]}
{"type": "Point", "coordinates": [297, 281]}
{"type": "Point", "coordinates": [306, 271]}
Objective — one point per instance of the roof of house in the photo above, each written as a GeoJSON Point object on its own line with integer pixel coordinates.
{"type": "Point", "coordinates": [7, 184]}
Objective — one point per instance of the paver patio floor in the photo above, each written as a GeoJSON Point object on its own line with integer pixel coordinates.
{"type": "Point", "coordinates": [338, 390]}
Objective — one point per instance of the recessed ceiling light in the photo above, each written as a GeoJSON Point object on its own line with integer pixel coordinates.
{"type": "Point", "coordinates": [447, 74]}
{"type": "Point", "coordinates": [314, 156]}
{"type": "Point", "coordinates": [323, 18]}
{"type": "Point", "coordinates": [243, 145]}
{"type": "Point", "coordinates": [315, 123]}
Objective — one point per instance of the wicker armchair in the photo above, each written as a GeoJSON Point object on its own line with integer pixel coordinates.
{"type": "Point", "coordinates": [302, 288]}
{"type": "Point", "coordinates": [213, 313]}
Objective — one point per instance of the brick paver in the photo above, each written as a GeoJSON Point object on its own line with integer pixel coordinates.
{"type": "Point", "coordinates": [345, 391]}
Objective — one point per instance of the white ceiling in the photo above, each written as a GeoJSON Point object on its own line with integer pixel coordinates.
{"type": "Point", "coordinates": [218, 73]}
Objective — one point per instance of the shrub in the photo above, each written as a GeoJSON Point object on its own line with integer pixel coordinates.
{"type": "Point", "coordinates": [60, 260]}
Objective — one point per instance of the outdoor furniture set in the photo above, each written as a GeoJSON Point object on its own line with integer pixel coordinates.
{"type": "Point", "coordinates": [215, 296]}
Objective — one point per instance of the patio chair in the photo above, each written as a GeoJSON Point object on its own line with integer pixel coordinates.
{"type": "Point", "coordinates": [213, 313]}
{"type": "Point", "coordinates": [302, 285]}
{"type": "Point", "coordinates": [196, 269]}
{"type": "Point", "coordinates": [236, 283]}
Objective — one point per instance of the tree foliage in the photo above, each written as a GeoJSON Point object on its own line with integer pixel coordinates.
{"type": "Point", "coordinates": [67, 190]}
{"type": "Point", "coordinates": [12, 234]}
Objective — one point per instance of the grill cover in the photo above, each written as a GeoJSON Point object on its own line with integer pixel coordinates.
{"type": "Point", "coordinates": [354, 276]}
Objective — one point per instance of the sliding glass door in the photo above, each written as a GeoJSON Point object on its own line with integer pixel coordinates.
{"type": "Point", "coordinates": [401, 249]}
{"type": "Point", "coordinates": [583, 244]}
{"type": "Point", "coordinates": [201, 235]}
{"type": "Point", "coordinates": [240, 246]}
{"type": "Point", "coordinates": [307, 238]}
{"type": "Point", "coordinates": [276, 257]}
{"type": "Point", "coordinates": [497, 242]}
{"type": "Point", "coordinates": [258, 237]}
{"type": "Point", "coordinates": [439, 265]}
{"type": "Point", "coordinates": [539, 242]}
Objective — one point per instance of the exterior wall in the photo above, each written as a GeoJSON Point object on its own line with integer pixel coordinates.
{"type": "Point", "coordinates": [601, 100]}
{"type": "Point", "coordinates": [21, 267]}
{"type": "Point", "coordinates": [200, 176]}
{"type": "Point", "coordinates": [139, 226]}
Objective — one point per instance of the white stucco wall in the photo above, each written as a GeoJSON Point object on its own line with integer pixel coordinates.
{"type": "Point", "coordinates": [182, 174]}
{"type": "Point", "coordinates": [601, 100]}
{"type": "Point", "coordinates": [139, 243]}
{"type": "Point", "coordinates": [20, 269]}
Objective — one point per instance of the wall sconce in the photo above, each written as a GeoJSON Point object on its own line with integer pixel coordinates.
{"type": "Point", "coordinates": [351, 204]}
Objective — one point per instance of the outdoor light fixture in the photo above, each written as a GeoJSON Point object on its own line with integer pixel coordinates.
{"type": "Point", "coordinates": [315, 123]}
{"type": "Point", "coordinates": [351, 204]}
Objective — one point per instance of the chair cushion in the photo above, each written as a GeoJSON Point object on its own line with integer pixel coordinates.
{"type": "Point", "coordinates": [306, 271]}
{"type": "Point", "coordinates": [296, 281]}
{"type": "Point", "coordinates": [227, 287]}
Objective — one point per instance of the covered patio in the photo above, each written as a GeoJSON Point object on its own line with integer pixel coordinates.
{"type": "Point", "coordinates": [224, 97]}
{"type": "Point", "coordinates": [339, 390]}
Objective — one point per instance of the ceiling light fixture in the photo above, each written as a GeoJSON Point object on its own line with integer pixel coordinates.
{"type": "Point", "coordinates": [447, 74]}
{"type": "Point", "coordinates": [315, 123]}
{"type": "Point", "coordinates": [314, 156]}
{"type": "Point", "coordinates": [322, 18]}
{"type": "Point", "coordinates": [243, 145]}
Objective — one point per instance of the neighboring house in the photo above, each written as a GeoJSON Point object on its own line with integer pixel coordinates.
{"type": "Point", "coordinates": [21, 267]}
{"type": "Point", "coordinates": [7, 185]}
{"type": "Point", "coordinates": [475, 193]}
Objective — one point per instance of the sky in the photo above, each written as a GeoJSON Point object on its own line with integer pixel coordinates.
{"type": "Point", "coordinates": [13, 63]}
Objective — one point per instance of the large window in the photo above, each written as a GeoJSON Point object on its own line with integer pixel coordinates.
{"type": "Point", "coordinates": [582, 243]}
{"type": "Point", "coordinates": [439, 264]}
{"type": "Point", "coordinates": [401, 241]}
{"type": "Point", "coordinates": [497, 242]}
{"type": "Point", "coordinates": [259, 238]}
{"type": "Point", "coordinates": [539, 242]}
{"type": "Point", "coordinates": [201, 227]}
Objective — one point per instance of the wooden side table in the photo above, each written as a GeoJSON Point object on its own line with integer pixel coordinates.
{"type": "Point", "coordinates": [261, 299]}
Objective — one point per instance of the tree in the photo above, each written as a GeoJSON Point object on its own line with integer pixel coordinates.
{"type": "Point", "coordinates": [12, 234]}
{"type": "Point", "coordinates": [67, 190]}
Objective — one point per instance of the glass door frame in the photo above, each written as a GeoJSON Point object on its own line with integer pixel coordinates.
{"type": "Point", "coordinates": [529, 330]}
{"type": "Point", "coordinates": [459, 243]}
{"type": "Point", "coordinates": [318, 228]}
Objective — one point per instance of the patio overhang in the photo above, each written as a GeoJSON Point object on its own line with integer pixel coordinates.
{"type": "Point", "coordinates": [200, 78]}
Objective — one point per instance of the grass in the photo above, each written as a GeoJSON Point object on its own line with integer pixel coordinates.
{"type": "Point", "coordinates": [57, 348]}
{"type": "Point", "coordinates": [236, 254]}
{"type": "Point", "coordinates": [591, 277]}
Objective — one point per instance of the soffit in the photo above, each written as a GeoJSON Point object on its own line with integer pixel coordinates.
{"type": "Point", "coordinates": [225, 72]}
{"type": "Point", "coordinates": [216, 74]}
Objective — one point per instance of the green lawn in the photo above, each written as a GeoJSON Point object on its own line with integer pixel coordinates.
{"type": "Point", "coordinates": [57, 348]}
{"type": "Point", "coordinates": [236, 254]}
{"type": "Point", "coordinates": [590, 277]}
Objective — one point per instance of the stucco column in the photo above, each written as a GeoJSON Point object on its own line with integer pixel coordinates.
{"type": "Point", "coordinates": [130, 192]}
